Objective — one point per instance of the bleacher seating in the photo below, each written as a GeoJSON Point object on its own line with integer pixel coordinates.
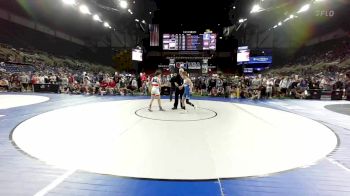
{"type": "Point", "coordinates": [17, 68]}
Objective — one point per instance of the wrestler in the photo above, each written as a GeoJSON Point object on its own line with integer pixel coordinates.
{"type": "Point", "coordinates": [155, 91]}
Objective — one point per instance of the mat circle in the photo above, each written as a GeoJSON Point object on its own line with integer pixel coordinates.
{"type": "Point", "coordinates": [179, 115]}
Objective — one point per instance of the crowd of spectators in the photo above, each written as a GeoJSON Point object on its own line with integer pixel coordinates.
{"type": "Point", "coordinates": [317, 58]}
{"type": "Point", "coordinates": [77, 82]}
{"type": "Point", "coordinates": [21, 74]}
{"type": "Point", "coordinates": [329, 51]}
{"type": "Point", "coordinates": [253, 87]}
{"type": "Point", "coordinates": [272, 86]}
{"type": "Point", "coordinates": [21, 69]}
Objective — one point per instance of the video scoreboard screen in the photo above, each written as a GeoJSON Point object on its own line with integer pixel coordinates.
{"type": "Point", "coordinates": [243, 54]}
{"type": "Point", "coordinates": [136, 55]}
{"type": "Point", "coordinates": [206, 41]}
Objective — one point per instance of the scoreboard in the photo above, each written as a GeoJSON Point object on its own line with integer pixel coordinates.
{"type": "Point", "coordinates": [206, 41]}
{"type": "Point", "coordinates": [193, 42]}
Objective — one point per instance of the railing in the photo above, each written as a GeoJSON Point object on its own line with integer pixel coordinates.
{"type": "Point", "coordinates": [46, 88]}
{"type": "Point", "coordinates": [317, 94]}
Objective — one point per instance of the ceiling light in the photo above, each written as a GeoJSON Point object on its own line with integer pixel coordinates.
{"type": "Point", "coordinates": [69, 2]}
{"type": "Point", "coordinates": [123, 4]}
{"type": "Point", "coordinates": [280, 24]}
{"type": "Point", "coordinates": [143, 21]}
{"type": "Point", "coordinates": [97, 18]}
{"type": "Point", "coordinates": [304, 8]}
{"type": "Point", "coordinates": [137, 20]}
{"type": "Point", "coordinates": [242, 20]}
{"type": "Point", "coordinates": [84, 9]}
{"type": "Point", "coordinates": [287, 19]}
{"type": "Point", "coordinates": [105, 24]}
{"type": "Point", "coordinates": [256, 8]}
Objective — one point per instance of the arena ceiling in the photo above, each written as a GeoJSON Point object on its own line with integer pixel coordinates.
{"type": "Point", "coordinates": [68, 19]}
{"type": "Point", "coordinates": [172, 15]}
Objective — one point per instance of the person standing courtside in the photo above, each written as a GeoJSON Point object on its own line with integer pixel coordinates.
{"type": "Point", "coordinates": [172, 86]}
{"type": "Point", "coordinates": [179, 90]}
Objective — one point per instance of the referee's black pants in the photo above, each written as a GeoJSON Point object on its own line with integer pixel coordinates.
{"type": "Point", "coordinates": [177, 93]}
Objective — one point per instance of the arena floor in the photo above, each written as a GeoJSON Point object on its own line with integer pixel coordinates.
{"type": "Point", "coordinates": [86, 145]}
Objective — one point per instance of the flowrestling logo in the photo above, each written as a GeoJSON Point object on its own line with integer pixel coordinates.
{"type": "Point", "coordinates": [325, 13]}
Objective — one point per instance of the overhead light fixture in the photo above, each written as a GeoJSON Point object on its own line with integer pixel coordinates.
{"type": "Point", "coordinates": [289, 18]}
{"type": "Point", "coordinates": [304, 8]}
{"type": "Point", "coordinates": [129, 10]}
{"type": "Point", "coordinates": [69, 2]}
{"type": "Point", "coordinates": [275, 26]}
{"type": "Point", "coordinates": [150, 13]}
{"type": "Point", "coordinates": [123, 4]}
{"type": "Point", "coordinates": [143, 21]}
{"type": "Point", "coordinates": [256, 8]}
{"type": "Point", "coordinates": [84, 9]}
{"type": "Point", "coordinates": [105, 24]}
{"type": "Point", "coordinates": [137, 20]}
{"type": "Point", "coordinates": [234, 7]}
{"type": "Point", "coordinates": [242, 20]}
{"type": "Point", "coordinates": [280, 24]}
{"type": "Point", "coordinates": [97, 18]}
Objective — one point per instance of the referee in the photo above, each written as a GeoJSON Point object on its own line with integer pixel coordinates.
{"type": "Point", "coordinates": [179, 90]}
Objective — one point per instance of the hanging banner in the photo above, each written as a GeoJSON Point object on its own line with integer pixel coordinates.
{"type": "Point", "coordinates": [205, 66]}
{"type": "Point", "coordinates": [172, 65]}
{"type": "Point", "coordinates": [193, 65]}
{"type": "Point", "coordinates": [189, 65]}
